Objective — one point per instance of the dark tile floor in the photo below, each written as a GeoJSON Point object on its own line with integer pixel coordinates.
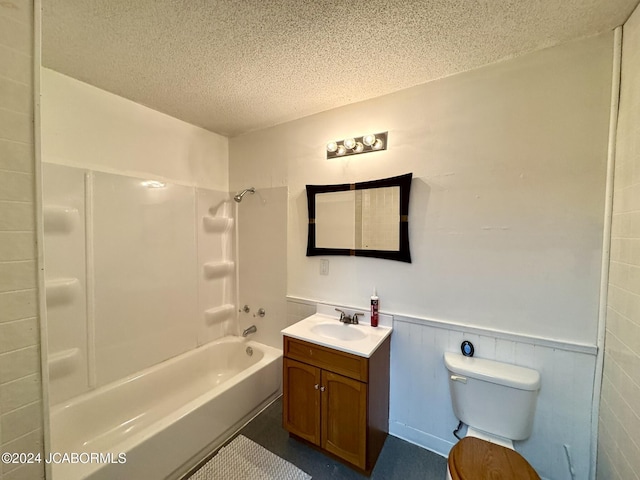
{"type": "Point", "coordinates": [398, 459]}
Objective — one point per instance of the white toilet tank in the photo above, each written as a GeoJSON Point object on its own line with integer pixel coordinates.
{"type": "Point", "coordinates": [494, 397]}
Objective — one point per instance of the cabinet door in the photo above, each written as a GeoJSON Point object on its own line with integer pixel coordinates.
{"type": "Point", "coordinates": [301, 400]}
{"type": "Point", "coordinates": [344, 418]}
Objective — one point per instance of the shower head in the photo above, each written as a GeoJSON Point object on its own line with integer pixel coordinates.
{"type": "Point", "coordinates": [238, 197]}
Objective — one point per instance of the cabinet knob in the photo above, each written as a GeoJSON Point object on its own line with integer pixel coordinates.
{"type": "Point", "coordinates": [322, 389]}
{"type": "Point", "coordinates": [315, 386]}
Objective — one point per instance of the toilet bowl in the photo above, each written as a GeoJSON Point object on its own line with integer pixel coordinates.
{"type": "Point", "coordinates": [497, 401]}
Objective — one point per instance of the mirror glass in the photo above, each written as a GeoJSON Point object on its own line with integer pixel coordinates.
{"type": "Point", "coordinates": [336, 219]}
{"type": "Point", "coordinates": [361, 219]}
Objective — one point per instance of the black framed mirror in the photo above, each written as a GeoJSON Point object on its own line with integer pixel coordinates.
{"type": "Point", "coordinates": [365, 219]}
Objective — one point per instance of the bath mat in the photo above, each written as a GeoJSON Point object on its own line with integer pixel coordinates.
{"type": "Point", "coordinates": [244, 459]}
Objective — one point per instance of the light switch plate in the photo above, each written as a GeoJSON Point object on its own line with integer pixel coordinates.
{"type": "Point", "coordinates": [324, 266]}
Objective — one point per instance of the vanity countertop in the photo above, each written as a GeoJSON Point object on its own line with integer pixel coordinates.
{"type": "Point", "coordinates": [327, 330]}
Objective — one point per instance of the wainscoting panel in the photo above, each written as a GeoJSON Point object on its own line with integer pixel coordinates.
{"type": "Point", "coordinates": [421, 410]}
{"type": "Point", "coordinates": [420, 403]}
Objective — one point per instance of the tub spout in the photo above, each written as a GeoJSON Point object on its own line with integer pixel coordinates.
{"type": "Point", "coordinates": [251, 329]}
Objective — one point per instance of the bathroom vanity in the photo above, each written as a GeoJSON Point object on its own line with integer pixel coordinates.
{"type": "Point", "coordinates": [336, 387]}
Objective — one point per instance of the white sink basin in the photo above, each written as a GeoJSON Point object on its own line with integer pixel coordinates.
{"type": "Point", "coordinates": [339, 332]}
{"type": "Point", "coordinates": [324, 328]}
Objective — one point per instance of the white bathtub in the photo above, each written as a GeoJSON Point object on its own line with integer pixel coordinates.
{"type": "Point", "coordinates": [166, 417]}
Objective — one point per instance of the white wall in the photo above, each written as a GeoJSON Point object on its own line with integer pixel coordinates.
{"type": "Point", "coordinates": [21, 427]}
{"type": "Point", "coordinates": [420, 403]}
{"type": "Point", "coordinates": [84, 126]}
{"type": "Point", "coordinates": [506, 223]}
{"type": "Point", "coordinates": [262, 269]}
{"type": "Point", "coordinates": [618, 438]}
{"type": "Point", "coordinates": [507, 201]}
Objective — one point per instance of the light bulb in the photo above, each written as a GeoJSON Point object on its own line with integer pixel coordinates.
{"type": "Point", "coordinates": [349, 143]}
{"type": "Point", "coordinates": [377, 145]}
{"type": "Point", "coordinates": [358, 148]}
{"type": "Point", "coordinates": [332, 147]}
{"type": "Point", "coordinates": [153, 184]}
{"type": "Point", "coordinates": [341, 150]}
{"type": "Point", "coordinates": [369, 140]}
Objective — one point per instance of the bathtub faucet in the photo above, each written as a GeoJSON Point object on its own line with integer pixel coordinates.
{"type": "Point", "coordinates": [251, 329]}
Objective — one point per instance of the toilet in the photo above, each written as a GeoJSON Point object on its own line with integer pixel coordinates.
{"type": "Point", "coordinates": [497, 402]}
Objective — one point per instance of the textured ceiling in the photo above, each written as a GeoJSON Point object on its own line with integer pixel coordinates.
{"type": "Point", "coordinates": [233, 66]}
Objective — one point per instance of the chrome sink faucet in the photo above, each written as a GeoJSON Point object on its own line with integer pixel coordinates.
{"type": "Point", "coordinates": [347, 319]}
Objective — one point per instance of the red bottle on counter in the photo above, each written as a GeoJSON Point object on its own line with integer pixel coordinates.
{"type": "Point", "coordinates": [374, 308]}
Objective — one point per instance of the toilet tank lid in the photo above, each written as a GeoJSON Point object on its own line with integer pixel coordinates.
{"type": "Point", "coordinates": [491, 371]}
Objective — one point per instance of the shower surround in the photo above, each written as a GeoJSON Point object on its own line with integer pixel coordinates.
{"type": "Point", "coordinates": [136, 272]}
{"type": "Point", "coordinates": [141, 269]}
{"type": "Point", "coordinates": [142, 323]}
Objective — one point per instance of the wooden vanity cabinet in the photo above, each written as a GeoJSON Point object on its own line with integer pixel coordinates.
{"type": "Point", "coordinates": [301, 400]}
{"type": "Point", "coordinates": [337, 401]}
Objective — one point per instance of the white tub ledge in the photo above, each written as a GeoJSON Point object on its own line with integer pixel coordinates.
{"type": "Point", "coordinates": [167, 417]}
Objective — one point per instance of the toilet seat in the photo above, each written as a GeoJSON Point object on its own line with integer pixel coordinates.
{"type": "Point", "coordinates": [475, 459]}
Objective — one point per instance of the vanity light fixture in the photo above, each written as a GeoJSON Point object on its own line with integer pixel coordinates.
{"type": "Point", "coordinates": [355, 145]}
